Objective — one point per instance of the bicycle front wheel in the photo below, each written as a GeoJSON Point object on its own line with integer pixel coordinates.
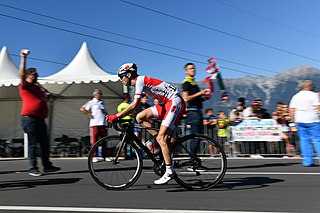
{"type": "Point", "coordinates": [200, 172]}
{"type": "Point", "coordinates": [113, 164]}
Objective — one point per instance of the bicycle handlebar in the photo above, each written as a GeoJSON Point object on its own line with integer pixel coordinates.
{"type": "Point", "coordinates": [120, 125]}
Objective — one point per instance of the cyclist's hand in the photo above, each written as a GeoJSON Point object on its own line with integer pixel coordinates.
{"type": "Point", "coordinates": [112, 118]}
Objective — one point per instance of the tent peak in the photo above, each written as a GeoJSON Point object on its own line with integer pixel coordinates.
{"type": "Point", "coordinates": [9, 72]}
{"type": "Point", "coordinates": [82, 68]}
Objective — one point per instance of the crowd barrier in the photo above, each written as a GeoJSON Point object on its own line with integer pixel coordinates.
{"type": "Point", "coordinates": [262, 138]}
{"type": "Point", "coordinates": [246, 139]}
{"type": "Point", "coordinates": [268, 142]}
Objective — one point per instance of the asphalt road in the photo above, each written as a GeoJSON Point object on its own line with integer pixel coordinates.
{"type": "Point", "coordinates": [250, 185]}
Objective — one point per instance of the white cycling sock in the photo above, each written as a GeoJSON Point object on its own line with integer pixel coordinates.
{"type": "Point", "coordinates": [169, 169]}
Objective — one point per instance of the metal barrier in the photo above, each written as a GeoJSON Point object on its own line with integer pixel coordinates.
{"type": "Point", "coordinates": [239, 148]}
{"type": "Point", "coordinates": [231, 147]}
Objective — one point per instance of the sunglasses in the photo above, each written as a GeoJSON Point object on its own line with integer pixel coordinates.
{"type": "Point", "coordinates": [121, 76]}
{"type": "Point", "coordinates": [35, 74]}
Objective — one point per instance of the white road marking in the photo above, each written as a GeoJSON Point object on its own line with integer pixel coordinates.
{"type": "Point", "coordinates": [257, 173]}
{"type": "Point", "coordinates": [272, 173]}
{"type": "Point", "coordinates": [80, 209]}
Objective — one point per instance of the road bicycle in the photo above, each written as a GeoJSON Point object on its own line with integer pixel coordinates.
{"type": "Point", "coordinates": [123, 163]}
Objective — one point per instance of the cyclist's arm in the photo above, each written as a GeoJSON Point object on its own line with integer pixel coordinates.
{"type": "Point", "coordinates": [130, 109]}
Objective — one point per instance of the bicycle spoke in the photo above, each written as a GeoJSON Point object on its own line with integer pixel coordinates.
{"type": "Point", "coordinates": [205, 170]}
{"type": "Point", "coordinates": [121, 168]}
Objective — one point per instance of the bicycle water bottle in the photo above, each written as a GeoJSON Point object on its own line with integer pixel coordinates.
{"type": "Point", "coordinates": [152, 148]}
{"type": "Point", "coordinates": [99, 151]}
{"type": "Point", "coordinates": [128, 151]}
{"type": "Point", "coordinates": [149, 145]}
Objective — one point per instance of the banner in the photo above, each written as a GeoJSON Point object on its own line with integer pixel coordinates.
{"type": "Point", "coordinates": [255, 130]}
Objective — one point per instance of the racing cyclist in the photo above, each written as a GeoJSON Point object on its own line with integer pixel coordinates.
{"type": "Point", "coordinates": [169, 112]}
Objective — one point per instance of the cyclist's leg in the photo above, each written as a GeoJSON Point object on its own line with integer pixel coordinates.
{"type": "Point", "coordinates": [143, 119]}
{"type": "Point", "coordinates": [174, 110]}
{"type": "Point", "coordinates": [162, 137]}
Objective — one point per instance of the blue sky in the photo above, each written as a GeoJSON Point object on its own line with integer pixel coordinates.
{"type": "Point", "coordinates": [289, 25]}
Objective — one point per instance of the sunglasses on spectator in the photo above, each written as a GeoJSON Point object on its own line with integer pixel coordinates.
{"type": "Point", "coordinates": [35, 74]}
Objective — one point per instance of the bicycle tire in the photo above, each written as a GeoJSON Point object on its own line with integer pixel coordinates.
{"type": "Point", "coordinates": [116, 172]}
{"type": "Point", "coordinates": [204, 171]}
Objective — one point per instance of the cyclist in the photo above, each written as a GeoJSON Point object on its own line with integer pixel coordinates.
{"type": "Point", "coordinates": [169, 112]}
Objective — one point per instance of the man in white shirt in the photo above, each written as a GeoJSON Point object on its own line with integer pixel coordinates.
{"type": "Point", "coordinates": [305, 107]}
{"type": "Point", "coordinates": [95, 109]}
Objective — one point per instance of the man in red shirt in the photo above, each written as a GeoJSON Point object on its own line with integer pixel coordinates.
{"type": "Point", "coordinates": [34, 112]}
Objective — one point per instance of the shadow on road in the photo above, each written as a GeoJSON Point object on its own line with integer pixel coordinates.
{"type": "Point", "coordinates": [231, 184]}
{"type": "Point", "coordinates": [11, 172]}
{"type": "Point", "coordinates": [262, 165]}
{"type": "Point", "coordinates": [26, 184]}
{"type": "Point", "coordinates": [246, 183]}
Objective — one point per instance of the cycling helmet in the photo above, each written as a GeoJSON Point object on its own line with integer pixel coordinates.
{"type": "Point", "coordinates": [127, 68]}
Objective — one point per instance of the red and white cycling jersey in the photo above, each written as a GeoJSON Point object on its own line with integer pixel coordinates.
{"type": "Point", "coordinates": [155, 88]}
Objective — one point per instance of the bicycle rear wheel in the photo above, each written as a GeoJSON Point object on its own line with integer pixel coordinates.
{"type": "Point", "coordinates": [121, 166]}
{"type": "Point", "coordinates": [205, 170]}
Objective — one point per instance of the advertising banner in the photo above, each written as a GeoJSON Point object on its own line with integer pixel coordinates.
{"type": "Point", "coordinates": [257, 130]}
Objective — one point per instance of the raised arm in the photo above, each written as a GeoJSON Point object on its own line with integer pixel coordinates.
{"type": "Point", "coordinates": [22, 68]}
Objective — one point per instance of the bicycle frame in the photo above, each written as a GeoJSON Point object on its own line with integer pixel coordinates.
{"type": "Point", "coordinates": [129, 137]}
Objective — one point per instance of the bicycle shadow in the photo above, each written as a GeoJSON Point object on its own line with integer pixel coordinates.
{"type": "Point", "coordinates": [245, 183]}
{"type": "Point", "coordinates": [27, 184]}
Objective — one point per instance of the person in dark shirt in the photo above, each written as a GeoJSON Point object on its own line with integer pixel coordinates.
{"type": "Point", "coordinates": [34, 112]}
{"type": "Point", "coordinates": [261, 112]}
{"type": "Point", "coordinates": [142, 106]}
{"type": "Point", "coordinates": [255, 111]}
{"type": "Point", "coordinates": [194, 97]}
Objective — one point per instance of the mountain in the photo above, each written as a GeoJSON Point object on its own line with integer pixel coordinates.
{"type": "Point", "coordinates": [280, 87]}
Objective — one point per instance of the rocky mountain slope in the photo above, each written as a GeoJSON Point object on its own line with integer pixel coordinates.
{"type": "Point", "coordinates": [280, 87]}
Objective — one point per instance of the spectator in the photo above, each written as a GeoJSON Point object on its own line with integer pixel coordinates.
{"type": "Point", "coordinates": [96, 111]}
{"type": "Point", "coordinates": [34, 112]}
{"type": "Point", "coordinates": [281, 115]}
{"type": "Point", "coordinates": [223, 123]}
{"type": "Point", "coordinates": [155, 121]}
{"type": "Point", "coordinates": [123, 105]}
{"type": "Point", "coordinates": [305, 109]}
{"type": "Point", "coordinates": [193, 96]}
{"type": "Point", "coordinates": [236, 114]}
{"type": "Point", "coordinates": [210, 123]}
{"type": "Point", "coordinates": [155, 102]}
{"type": "Point", "coordinates": [255, 111]}
{"type": "Point", "coordinates": [142, 106]}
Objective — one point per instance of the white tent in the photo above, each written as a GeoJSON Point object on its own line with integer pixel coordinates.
{"type": "Point", "coordinates": [72, 87]}
{"type": "Point", "coordinates": [10, 104]}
